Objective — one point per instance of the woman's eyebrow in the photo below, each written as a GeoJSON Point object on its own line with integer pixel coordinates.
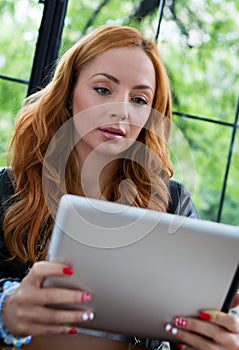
{"type": "Point", "coordinates": [108, 76]}
{"type": "Point", "coordinates": [117, 81]}
{"type": "Point", "coordinates": [143, 87]}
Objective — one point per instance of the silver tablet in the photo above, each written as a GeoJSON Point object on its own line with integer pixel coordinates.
{"type": "Point", "coordinates": [143, 267]}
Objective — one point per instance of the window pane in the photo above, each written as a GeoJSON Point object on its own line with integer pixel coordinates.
{"type": "Point", "coordinates": [200, 158]}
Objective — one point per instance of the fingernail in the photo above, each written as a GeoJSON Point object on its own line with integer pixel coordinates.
{"type": "Point", "coordinates": [86, 297]}
{"type": "Point", "coordinates": [67, 271]}
{"type": "Point", "coordinates": [88, 316]}
{"type": "Point", "coordinates": [168, 327]}
{"type": "Point", "coordinates": [179, 321]}
{"type": "Point", "coordinates": [204, 316]}
{"type": "Point", "coordinates": [179, 346]}
{"type": "Point", "coordinates": [72, 331]}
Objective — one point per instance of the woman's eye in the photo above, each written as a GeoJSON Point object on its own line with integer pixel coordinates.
{"type": "Point", "coordinates": [139, 100]}
{"type": "Point", "coordinates": [102, 90]}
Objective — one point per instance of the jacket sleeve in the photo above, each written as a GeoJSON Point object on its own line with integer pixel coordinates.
{"type": "Point", "coordinates": [180, 201]}
{"type": "Point", "coordinates": [9, 269]}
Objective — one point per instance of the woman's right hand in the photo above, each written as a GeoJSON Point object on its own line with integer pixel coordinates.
{"type": "Point", "coordinates": [26, 311]}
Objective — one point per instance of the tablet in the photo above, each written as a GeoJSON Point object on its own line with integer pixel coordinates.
{"type": "Point", "coordinates": [143, 267]}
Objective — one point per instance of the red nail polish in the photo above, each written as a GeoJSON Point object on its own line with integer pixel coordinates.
{"type": "Point", "coordinates": [67, 271]}
{"type": "Point", "coordinates": [86, 297]}
{"type": "Point", "coordinates": [204, 316]}
{"type": "Point", "coordinates": [179, 321]}
{"type": "Point", "coordinates": [180, 346]}
{"type": "Point", "coordinates": [72, 331]}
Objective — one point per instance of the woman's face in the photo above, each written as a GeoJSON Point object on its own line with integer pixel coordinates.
{"type": "Point", "coordinates": [112, 100]}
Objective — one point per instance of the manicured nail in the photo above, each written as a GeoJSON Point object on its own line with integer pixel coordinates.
{"type": "Point", "coordinates": [179, 346]}
{"type": "Point", "coordinates": [204, 316]}
{"type": "Point", "coordinates": [179, 321]}
{"type": "Point", "coordinates": [86, 297]}
{"type": "Point", "coordinates": [72, 331]}
{"type": "Point", "coordinates": [88, 316]}
{"type": "Point", "coordinates": [68, 271]}
{"type": "Point", "coordinates": [168, 327]}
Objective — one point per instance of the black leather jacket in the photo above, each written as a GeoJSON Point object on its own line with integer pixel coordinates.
{"type": "Point", "coordinates": [180, 204]}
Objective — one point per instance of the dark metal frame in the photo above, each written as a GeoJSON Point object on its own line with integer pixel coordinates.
{"type": "Point", "coordinates": [46, 54]}
{"type": "Point", "coordinates": [48, 43]}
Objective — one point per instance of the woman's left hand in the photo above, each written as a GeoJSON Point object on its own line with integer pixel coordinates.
{"type": "Point", "coordinates": [213, 330]}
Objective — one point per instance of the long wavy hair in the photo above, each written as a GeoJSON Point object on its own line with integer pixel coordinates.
{"type": "Point", "coordinates": [28, 221]}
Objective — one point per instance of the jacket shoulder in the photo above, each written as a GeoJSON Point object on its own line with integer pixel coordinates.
{"type": "Point", "coordinates": [180, 202]}
{"type": "Point", "coordinates": [5, 173]}
{"type": "Point", "coordinates": [6, 188]}
{"type": "Point", "coordinates": [6, 182]}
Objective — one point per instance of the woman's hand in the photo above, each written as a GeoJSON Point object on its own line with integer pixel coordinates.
{"type": "Point", "coordinates": [26, 312]}
{"type": "Point", "coordinates": [214, 330]}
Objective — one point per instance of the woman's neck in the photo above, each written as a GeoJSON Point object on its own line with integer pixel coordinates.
{"type": "Point", "coordinates": [95, 175]}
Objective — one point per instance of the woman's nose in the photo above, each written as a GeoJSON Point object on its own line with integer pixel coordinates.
{"type": "Point", "coordinates": [120, 105]}
{"type": "Point", "coordinates": [119, 110]}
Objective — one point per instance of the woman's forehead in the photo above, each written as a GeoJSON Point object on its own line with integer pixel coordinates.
{"type": "Point", "coordinates": [128, 62]}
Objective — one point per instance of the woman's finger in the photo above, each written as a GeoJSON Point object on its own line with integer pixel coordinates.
{"type": "Point", "coordinates": [54, 296]}
{"type": "Point", "coordinates": [228, 321]}
{"type": "Point", "coordinates": [197, 326]}
{"type": "Point", "coordinates": [192, 340]}
{"type": "Point", "coordinates": [49, 296]}
{"type": "Point", "coordinates": [51, 317]}
{"type": "Point", "coordinates": [43, 269]}
{"type": "Point", "coordinates": [27, 316]}
{"type": "Point", "coordinates": [43, 329]}
{"type": "Point", "coordinates": [215, 330]}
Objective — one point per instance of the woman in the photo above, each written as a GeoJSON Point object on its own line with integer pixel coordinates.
{"type": "Point", "coordinates": [114, 84]}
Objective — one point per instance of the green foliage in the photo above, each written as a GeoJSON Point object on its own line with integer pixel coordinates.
{"type": "Point", "coordinates": [19, 21]}
{"type": "Point", "coordinates": [198, 43]}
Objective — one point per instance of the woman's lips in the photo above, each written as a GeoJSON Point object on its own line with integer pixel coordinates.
{"type": "Point", "coordinates": [112, 133]}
